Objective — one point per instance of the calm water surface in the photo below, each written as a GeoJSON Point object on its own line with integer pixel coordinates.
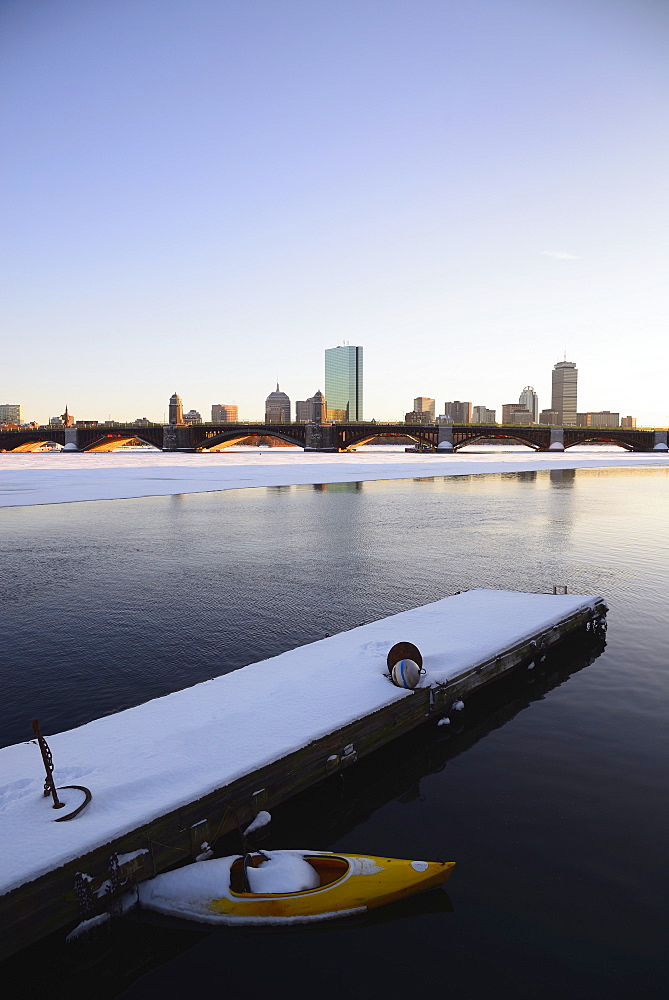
{"type": "Point", "coordinates": [553, 799]}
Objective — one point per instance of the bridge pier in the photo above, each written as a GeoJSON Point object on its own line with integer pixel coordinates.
{"type": "Point", "coordinates": [445, 437]}
{"type": "Point", "coordinates": [319, 437]}
{"type": "Point", "coordinates": [557, 439]}
{"type": "Point", "coordinates": [661, 443]}
{"type": "Point", "coordinates": [178, 437]}
{"type": "Point", "coordinates": [71, 439]}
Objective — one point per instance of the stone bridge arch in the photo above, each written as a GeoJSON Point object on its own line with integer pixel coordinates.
{"type": "Point", "coordinates": [462, 438]}
{"type": "Point", "coordinates": [30, 440]}
{"type": "Point", "coordinates": [351, 436]}
{"type": "Point", "coordinates": [111, 442]}
{"type": "Point", "coordinates": [596, 435]}
{"type": "Point", "coordinates": [219, 438]}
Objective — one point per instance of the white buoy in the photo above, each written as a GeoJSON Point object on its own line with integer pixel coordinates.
{"type": "Point", "coordinates": [405, 674]}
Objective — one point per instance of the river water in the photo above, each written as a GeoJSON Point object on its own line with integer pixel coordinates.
{"type": "Point", "coordinates": [552, 798]}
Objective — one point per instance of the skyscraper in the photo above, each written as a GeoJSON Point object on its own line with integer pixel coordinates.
{"type": "Point", "coordinates": [563, 397]}
{"type": "Point", "coordinates": [343, 383]}
{"type": "Point", "coordinates": [529, 399]}
{"type": "Point", "coordinates": [277, 407]}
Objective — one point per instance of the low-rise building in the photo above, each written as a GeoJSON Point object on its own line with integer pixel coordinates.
{"type": "Point", "coordinates": [549, 417]}
{"type": "Point", "coordinates": [598, 418]}
{"type": "Point", "coordinates": [425, 404]}
{"type": "Point", "coordinates": [628, 422]}
{"type": "Point", "coordinates": [509, 409]}
{"type": "Point", "coordinates": [312, 410]}
{"type": "Point", "coordinates": [417, 417]}
{"type": "Point", "coordinates": [458, 412]}
{"type": "Point", "coordinates": [224, 413]}
{"type": "Point", "coordinates": [192, 417]}
{"type": "Point", "coordinates": [482, 415]}
{"type": "Point", "coordinates": [11, 413]}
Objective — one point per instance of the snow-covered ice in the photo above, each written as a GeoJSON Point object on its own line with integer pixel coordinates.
{"type": "Point", "coordinates": [149, 760]}
{"type": "Point", "coordinates": [27, 479]}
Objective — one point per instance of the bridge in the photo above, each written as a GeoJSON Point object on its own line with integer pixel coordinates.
{"type": "Point", "coordinates": [328, 437]}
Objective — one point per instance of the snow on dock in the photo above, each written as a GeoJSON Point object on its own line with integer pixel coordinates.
{"type": "Point", "coordinates": [148, 761]}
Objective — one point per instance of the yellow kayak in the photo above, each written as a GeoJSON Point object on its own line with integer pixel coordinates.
{"type": "Point", "coordinates": [288, 886]}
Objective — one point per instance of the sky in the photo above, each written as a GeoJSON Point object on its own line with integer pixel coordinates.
{"type": "Point", "coordinates": [203, 196]}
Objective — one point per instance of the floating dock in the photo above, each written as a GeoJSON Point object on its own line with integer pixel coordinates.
{"type": "Point", "coordinates": [169, 777]}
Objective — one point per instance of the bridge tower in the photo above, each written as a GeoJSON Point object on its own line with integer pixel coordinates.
{"type": "Point", "coordinates": [176, 409]}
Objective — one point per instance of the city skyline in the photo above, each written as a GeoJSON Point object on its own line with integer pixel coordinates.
{"type": "Point", "coordinates": [464, 188]}
{"type": "Point", "coordinates": [346, 378]}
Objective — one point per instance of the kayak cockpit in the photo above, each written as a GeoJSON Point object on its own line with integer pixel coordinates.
{"type": "Point", "coordinates": [258, 874]}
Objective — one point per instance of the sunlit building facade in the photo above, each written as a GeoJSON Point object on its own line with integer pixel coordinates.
{"type": "Point", "coordinates": [599, 418]}
{"type": "Point", "coordinates": [224, 413]}
{"type": "Point", "coordinates": [176, 409]}
{"type": "Point", "coordinates": [343, 383]}
{"type": "Point", "coordinates": [563, 398]}
{"type": "Point", "coordinates": [424, 404]}
{"type": "Point", "coordinates": [11, 413]}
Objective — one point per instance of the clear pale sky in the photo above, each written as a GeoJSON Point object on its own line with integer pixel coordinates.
{"type": "Point", "coordinates": [202, 196]}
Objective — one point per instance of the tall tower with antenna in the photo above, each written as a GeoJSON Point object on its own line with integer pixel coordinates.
{"type": "Point", "coordinates": [564, 392]}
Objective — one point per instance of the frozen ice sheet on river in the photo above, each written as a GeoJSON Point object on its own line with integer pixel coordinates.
{"type": "Point", "coordinates": [27, 479]}
{"type": "Point", "coordinates": [146, 761]}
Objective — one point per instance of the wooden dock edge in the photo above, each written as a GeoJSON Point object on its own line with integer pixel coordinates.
{"type": "Point", "coordinates": [59, 899]}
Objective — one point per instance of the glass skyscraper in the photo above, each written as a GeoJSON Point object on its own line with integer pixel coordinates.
{"type": "Point", "coordinates": [343, 383]}
{"type": "Point", "coordinates": [563, 399]}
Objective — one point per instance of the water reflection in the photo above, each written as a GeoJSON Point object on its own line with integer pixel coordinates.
{"type": "Point", "coordinates": [543, 798]}
{"type": "Point", "coordinates": [562, 478]}
{"type": "Point", "coordinates": [357, 487]}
